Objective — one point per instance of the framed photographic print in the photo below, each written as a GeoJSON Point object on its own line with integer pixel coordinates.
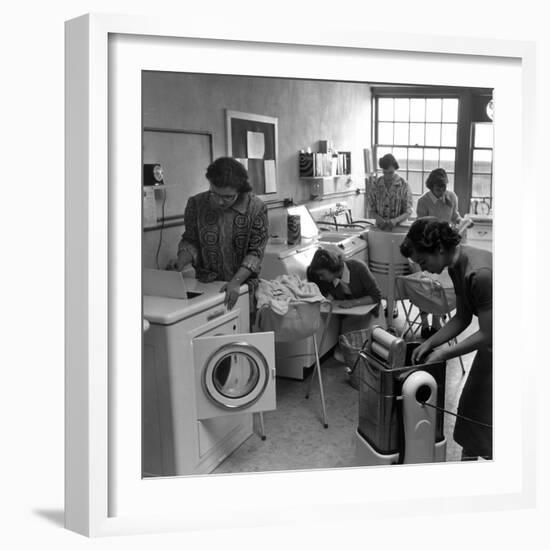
{"type": "Point", "coordinates": [147, 374]}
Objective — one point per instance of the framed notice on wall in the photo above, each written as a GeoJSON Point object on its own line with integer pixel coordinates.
{"type": "Point", "coordinates": [252, 140]}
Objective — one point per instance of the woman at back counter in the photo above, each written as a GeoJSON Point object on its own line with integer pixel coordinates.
{"type": "Point", "coordinates": [390, 199]}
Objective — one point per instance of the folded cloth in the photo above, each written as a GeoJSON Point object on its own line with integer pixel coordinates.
{"type": "Point", "coordinates": [279, 292]}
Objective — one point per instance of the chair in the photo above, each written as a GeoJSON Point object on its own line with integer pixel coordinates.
{"type": "Point", "coordinates": [387, 263]}
{"type": "Point", "coordinates": [302, 320]}
{"type": "Point", "coordinates": [429, 293]}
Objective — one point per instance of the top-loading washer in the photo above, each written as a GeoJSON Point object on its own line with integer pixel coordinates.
{"type": "Point", "coordinates": [204, 374]}
{"type": "Point", "coordinates": [349, 245]}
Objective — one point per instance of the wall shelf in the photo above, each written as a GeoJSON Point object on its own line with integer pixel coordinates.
{"type": "Point", "coordinates": [325, 186]}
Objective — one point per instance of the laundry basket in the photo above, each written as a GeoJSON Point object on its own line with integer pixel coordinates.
{"type": "Point", "coordinates": [302, 320]}
{"type": "Point", "coordinates": [429, 292]}
{"type": "Point", "coordinates": [351, 344]}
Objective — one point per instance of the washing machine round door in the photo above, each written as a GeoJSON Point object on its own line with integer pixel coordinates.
{"type": "Point", "coordinates": [235, 375]}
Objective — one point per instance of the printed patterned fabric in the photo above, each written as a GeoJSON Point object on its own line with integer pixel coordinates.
{"type": "Point", "coordinates": [221, 240]}
{"type": "Point", "coordinates": [392, 201]}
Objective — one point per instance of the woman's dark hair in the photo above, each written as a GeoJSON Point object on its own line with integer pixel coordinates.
{"type": "Point", "coordinates": [324, 259]}
{"type": "Point", "coordinates": [427, 235]}
{"type": "Point", "coordinates": [228, 172]}
{"type": "Point", "coordinates": [386, 161]}
{"type": "Point", "coordinates": [437, 176]}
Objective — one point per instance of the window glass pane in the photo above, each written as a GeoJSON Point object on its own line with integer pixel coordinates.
{"type": "Point", "coordinates": [385, 108]}
{"type": "Point", "coordinates": [447, 159]}
{"type": "Point", "coordinates": [385, 133]}
{"type": "Point", "coordinates": [418, 109]}
{"type": "Point", "coordinates": [415, 159]}
{"type": "Point", "coordinates": [450, 110]}
{"type": "Point", "coordinates": [401, 134]}
{"type": "Point", "coordinates": [483, 135]}
{"type": "Point", "coordinates": [482, 161]}
{"type": "Point", "coordinates": [414, 179]}
{"type": "Point", "coordinates": [415, 202]}
{"type": "Point", "coordinates": [400, 154]}
{"type": "Point", "coordinates": [448, 135]}
{"type": "Point", "coordinates": [433, 109]}
{"type": "Point", "coordinates": [402, 109]}
{"type": "Point", "coordinates": [433, 136]}
{"type": "Point", "coordinates": [481, 186]}
{"type": "Point", "coordinates": [417, 134]}
{"type": "Point", "coordinates": [431, 159]}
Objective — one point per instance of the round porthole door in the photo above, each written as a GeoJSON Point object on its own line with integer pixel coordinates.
{"type": "Point", "coordinates": [235, 376]}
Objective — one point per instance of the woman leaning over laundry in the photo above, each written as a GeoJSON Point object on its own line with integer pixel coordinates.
{"type": "Point", "coordinates": [348, 282]}
{"type": "Point", "coordinates": [435, 245]}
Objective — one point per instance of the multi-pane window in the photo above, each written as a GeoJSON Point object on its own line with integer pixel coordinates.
{"type": "Point", "coordinates": [482, 168]}
{"type": "Point", "coordinates": [421, 133]}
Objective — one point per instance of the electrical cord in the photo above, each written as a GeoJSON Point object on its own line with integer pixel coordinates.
{"type": "Point", "coordinates": [489, 426]}
{"type": "Point", "coordinates": [161, 230]}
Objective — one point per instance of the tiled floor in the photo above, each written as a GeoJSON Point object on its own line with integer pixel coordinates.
{"type": "Point", "coordinates": [296, 438]}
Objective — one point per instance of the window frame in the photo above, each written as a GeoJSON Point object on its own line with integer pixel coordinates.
{"type": "Point", "coordinates": [474, 173]}
{"type": "Point", "coordinates": [464, 144]}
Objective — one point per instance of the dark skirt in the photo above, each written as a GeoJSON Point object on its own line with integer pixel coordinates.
{"type": "Point", "coordinates": [476, 403]}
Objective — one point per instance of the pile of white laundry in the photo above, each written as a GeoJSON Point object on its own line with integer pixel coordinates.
{"type": "Point", "coordinates": [281, 291]}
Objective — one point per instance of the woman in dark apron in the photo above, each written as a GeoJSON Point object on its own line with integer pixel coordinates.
{"type": "Point", "coordinates": [434, 245]}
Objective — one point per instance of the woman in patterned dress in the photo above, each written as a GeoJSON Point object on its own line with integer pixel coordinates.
{"type": "Point", "coordinates": [390, 198]}
{"type": "Point", "coordinates": [226, 231]}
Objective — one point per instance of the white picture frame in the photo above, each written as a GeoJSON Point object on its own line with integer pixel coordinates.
{"type": "Point", "coordinates": [104, 495]}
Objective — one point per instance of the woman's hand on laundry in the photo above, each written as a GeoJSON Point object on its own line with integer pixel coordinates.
{"type": "Point", "coordinates": [386, 224]}
{"type": "Point", "coordinates": [380, 221]}
{"type": "Point", "coordinates": [231, 290]}
{"type": "Point", "coordinates": [421, 351]}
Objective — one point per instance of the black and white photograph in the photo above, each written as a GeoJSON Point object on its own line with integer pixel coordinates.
{"type": "Point", "coordinates": [274, 275]}
{"type": "Point", "coordinates": [317, 273]}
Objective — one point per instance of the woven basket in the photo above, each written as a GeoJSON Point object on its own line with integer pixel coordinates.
{"type": "Point", "coordinates": [351, 344]}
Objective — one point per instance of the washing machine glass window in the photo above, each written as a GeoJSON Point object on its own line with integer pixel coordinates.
{"type": "Point", "coordinates": [235, 375]}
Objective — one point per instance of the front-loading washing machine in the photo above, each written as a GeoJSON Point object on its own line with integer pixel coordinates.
{"type": "Point", "coordinates": [204, 375]}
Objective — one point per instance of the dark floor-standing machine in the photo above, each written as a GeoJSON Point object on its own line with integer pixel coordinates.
{"type": "Point", "coordinates": [400, 404]}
